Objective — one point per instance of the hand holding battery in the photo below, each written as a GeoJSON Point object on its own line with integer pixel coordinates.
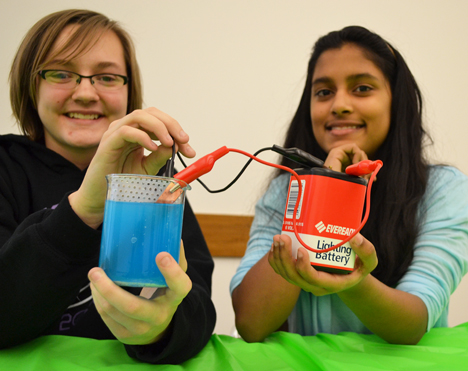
{"type": "Point", "coordinates": [339, 158]}
{"type": "Point", "coordinates": [302, 274]}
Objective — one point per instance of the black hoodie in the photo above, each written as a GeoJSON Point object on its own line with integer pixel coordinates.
{"type": "Point", "coordinates": [46, 252]}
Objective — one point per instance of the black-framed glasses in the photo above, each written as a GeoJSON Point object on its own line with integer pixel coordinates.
{"type": "Point", "coordinates": [70, 80]}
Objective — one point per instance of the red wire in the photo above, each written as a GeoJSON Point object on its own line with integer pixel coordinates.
{"type": "Point", "coordinates": [273, 165]}
{"type": "Point", "coordinates": [363, 222]}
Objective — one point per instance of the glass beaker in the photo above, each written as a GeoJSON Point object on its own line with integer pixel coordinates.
{"type": "Point", "coordinates": [143, 216]}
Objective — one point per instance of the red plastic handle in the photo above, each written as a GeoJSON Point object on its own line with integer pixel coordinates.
{"type": "Point", "coordinates": [363, 168]}
{"type": "Point", "coordinates": [201, 166]}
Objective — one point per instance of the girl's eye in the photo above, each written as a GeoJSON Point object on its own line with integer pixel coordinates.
{"type": "Point", "coordinates": [59, 75]}
{"type": "Point", "coordinates": [363, 88]}
{"type": "Point", "coordinates": [106, 78]}
{"type": "Point", "coordinates": [323, 93]}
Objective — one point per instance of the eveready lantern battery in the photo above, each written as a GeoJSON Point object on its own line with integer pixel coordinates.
{"type": "Point", "coordinates": [330, 210]}
{"type": "Point", "coordinates": [330, 205]}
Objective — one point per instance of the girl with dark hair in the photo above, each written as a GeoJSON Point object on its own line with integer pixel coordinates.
{"type": "Point", "coordinates": [76, 94]}
{"type": "Point", "coordinates": [360, 102]}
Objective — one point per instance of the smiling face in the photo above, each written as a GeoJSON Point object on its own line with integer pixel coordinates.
{"type": "Point", "coordinates": [75, 119]}
{"type": "Point", "coordinates": [351, 100]}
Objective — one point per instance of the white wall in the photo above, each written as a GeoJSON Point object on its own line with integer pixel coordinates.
{"type": "Point", "coordinates": [232, 72]}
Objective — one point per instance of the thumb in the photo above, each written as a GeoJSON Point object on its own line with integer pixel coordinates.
{"type": "Point", "coordinates": [365, 250]}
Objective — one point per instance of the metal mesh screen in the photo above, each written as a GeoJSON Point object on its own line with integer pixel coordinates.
{"type": "Point", "coordinates": [131, 189]}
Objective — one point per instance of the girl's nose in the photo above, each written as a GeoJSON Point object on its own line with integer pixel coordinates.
{"type": "Point", "coordinates": [341, 104]}
{"type": "Point", "coordinates": [85, 92]}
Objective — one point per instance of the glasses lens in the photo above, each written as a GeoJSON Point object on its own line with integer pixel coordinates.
{"type": "Point", "coordinates": [108, 81]}
{"type": "Point", "coordinates": [63, 78]}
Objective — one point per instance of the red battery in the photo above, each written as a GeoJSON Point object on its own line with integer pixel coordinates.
{"type": "Point", "coordinates": [330, 210]}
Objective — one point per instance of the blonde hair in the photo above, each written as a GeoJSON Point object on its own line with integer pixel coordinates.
{"type": "Point", "coordinates": [34, 53]}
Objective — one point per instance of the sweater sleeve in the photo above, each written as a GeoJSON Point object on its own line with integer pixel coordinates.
{"type": "Point", "coordinates": [43, 264]}
{"type": "Point", "coordinates": [194, 320]}
{"type": "Point", "coordinates": [267, 223]}
{"type": "Point", "coordinates": [441, 250]}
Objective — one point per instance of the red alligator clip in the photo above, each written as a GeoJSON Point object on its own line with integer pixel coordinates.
{"type": "Point", "coordinates": [201, 166]}
{"type": "Point", "coordinates": [363, 167]}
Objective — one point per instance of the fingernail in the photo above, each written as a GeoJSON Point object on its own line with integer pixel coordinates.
{"type": "Point", "coordinates": [183, 134]}
{"type": "Point", "coordinates": [358, 239]}
{"type": "Point", "coordinates": [169, 138]}
{"type": "Point", "coordinates": [95, 276]}
{"type": "Point", "coordinates": [299, 254]}
{"type": "Point", "coordinates": [281, 244]}
{"type": "Point", "coordinates": [165, 261]}
{"type": "Point", "coordinates": [274, 245]}
{"type": "Point", "coordinates": [189, 147]}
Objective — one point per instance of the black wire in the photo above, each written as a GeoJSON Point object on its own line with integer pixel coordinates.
{"type": "Point", "coordinates": [235, 179]}
{"type": "Point", "coordinates": [171, 164]}
{"type": "Point", "coordinates": [169, 170]}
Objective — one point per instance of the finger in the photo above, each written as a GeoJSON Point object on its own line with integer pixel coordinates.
{"type": "Point", "coordinates": [303, 265]}
{"type": "Point", "coordinates": [182, 259]}
{"type": "Point", "coordinates": [158, 126]}
{"type": "Point", "coordinates": [278, 246]}
{"type": "Point", "coordinates": [111, 297]}
{"type": "Point", "coordinates": [271, 254]}
{"type": "Point", "coordinates": [125, 314]}
{"type": "Point", "coordinates": [357, 154]}
{"type": "Point", "coordinates": [172, 125]}
{"type": "Point", "coordinates": [338, 158]}
{"type": "Point", "coordinates": [105, 310]}
{"type": "Point", "coordinates": [312, 280]}
{"type": "Point", "coordinates": [147, 121]}
{"type": "Point", "coordinates": [365, 250]}
{"type": "Point", "coordinates": [126, 329]}
{"type": "Point", "coordinates": [116, 321]}
{"type": "Point", "coordinates": [175, 131]}
{"type": "Point", "coordinates": [178, 282]}
{"type": "Point", "coordinates": [115, 327]}
{"type": "Point", "coordinates": [287, 261]}
{"type": "Point", "coordinates": [342, 156]}
{"type": "Point", "coordinates": [156, 159]}
{"type": "Point", "coordinates": [334, 163]}
{"type": "Point", "coordinates": [130, 134]}
{"type": "Point", "coordinates": [151, 163]}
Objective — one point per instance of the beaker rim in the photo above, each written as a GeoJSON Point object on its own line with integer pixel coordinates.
{"type": "Point", "coordinates": [182, 184]}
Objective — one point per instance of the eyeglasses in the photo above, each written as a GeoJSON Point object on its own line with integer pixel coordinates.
{"type": "Point", "coordinates": [70, 80]}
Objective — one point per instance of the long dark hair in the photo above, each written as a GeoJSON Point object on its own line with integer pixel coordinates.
{"type": "Point", "coordinates": [393, 224]}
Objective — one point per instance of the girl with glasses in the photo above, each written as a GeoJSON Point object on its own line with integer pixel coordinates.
{"type": "Point", "coordinates": [76, 93]}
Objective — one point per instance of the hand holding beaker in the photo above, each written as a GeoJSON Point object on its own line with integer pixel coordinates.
{"type": "Point", "coordinates": [135, 319]}
{"type": "Point", "coordinates": [122, 150]}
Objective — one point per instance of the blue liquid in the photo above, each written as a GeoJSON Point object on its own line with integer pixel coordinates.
{"type": "Point", "coordinates": [133, 234]}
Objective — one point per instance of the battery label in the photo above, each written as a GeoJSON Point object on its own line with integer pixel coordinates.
{"type": "Point", "coordinates": [343, 257]}
{"type": "Point", "coordinates": [293, 193]}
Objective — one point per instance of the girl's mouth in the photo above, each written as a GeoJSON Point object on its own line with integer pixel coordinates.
{"type": "Point", "coordinates": [344, 129]}
{"type": "Point", "coordinates": [82, 116]}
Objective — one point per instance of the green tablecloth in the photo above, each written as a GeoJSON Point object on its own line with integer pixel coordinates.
{"type": "Point", "coordinates": [440, 349]}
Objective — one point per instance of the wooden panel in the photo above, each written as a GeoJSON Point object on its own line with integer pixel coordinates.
{"type": "Point", "coordinates": [226, 235]}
